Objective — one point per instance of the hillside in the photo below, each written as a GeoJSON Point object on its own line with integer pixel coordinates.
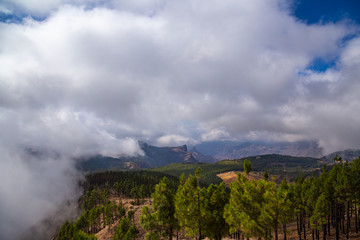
{"type": "Point", "coordinates": [348, 154]}
{"type": "Point", "coordinates": [101, 163]}
{"type": "Point", "coordinates": [235, 149]}
{"type": "Point", "coordinates": [278, 163]}
{"type": "Point", "coordinates": [275, 164]}
{"type": "Point", "coordinates": [268, 155]}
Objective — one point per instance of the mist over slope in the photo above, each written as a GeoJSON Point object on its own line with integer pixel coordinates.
{"type": "Point", "coordinates": [348, 154]}
{"type": "Point", "coordinates": [236, 149]}
{"type": "Point", "coordinates": [37, 166]}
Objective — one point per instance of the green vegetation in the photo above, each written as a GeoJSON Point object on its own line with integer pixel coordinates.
{"type": "Point", "coordinates": [198, 211]}
{"type": "Point", "coordinates": [126, 230]}
{"type": "Point", "coordinates": [281, 165]}
{"type": "Point", "coordinates": [136, 184]}
{"type": "Point", "coordinates": [160, 221]}
{"type": "Point", "coordinates": [215, 199]}
{"type": "Point", "coordinates": [96, 215]}
{"type": "Point", "coordinates": [209, 170]}
{"type": "Point", "coordinates": [249, 209]}
{"type": "Point", "coordinates": [261, 208]}
{"type": "Point", "coordinates": [189, 209]}
{"type": "Point", "coordinates": [276, 164]}
{"type": "Point", "coordinates": [102, 163]}
{"type": "Point", "coordinates": [266, 175]}
{"type": "Point", "coordinates": [99, 212]}
{"type": "Point", "coordinates": [247, 166]}
{"type": "Point", "coordinates": [68, 231]}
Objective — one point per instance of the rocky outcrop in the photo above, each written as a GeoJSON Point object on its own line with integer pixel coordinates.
{"type": "Point", "coordinates": [158, 156]}
{"type": "Point", "coordinates": [153, 157]}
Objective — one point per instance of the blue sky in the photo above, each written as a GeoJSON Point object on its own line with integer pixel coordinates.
{"type": "Point", "coordinates": [82, 78]}
{"type": "Point", "coordinates": [327, 11]}
{"type": "Point", "coordinates": [322, 11]}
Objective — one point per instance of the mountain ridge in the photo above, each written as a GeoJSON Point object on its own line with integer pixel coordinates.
{"type": "Point", "coordinates": [217, 151]}
{"type": "Point", "coordinates": [153, 157]}
{"type": "Point", "coordinates": [236, 149]}
{"type": "Point", "coordinates": [347, 154]}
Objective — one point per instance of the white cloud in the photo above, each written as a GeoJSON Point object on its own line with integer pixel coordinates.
{"type": "Point", "coordinates": [172, 140]}
{"type": "Point", "coordinates": [31, 187]}
{"type": "Point", "coordinates": [215, 134]}
{"type": "Point", "coordinates": [38, 150]}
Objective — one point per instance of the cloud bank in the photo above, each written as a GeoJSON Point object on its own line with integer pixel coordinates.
{"type": "Point", "coordinates": [94, 77]}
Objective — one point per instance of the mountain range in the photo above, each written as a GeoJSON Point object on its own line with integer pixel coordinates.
{"type": "Point", "coordinates": [153, 157]}
{"type": "Point", "coordinates": [348, 154]}
{"type": "Point", "coordinates": [209, 152]}
{"type": "Point", "coordinates": [235, 149]}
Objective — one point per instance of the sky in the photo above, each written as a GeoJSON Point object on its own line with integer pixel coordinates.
{"type": "Point", "coordinates": [87, 77]}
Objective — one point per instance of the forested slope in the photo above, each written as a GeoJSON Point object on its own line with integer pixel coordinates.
{"type": "Point", "coordinates": [284, 166]}
{"type": "Point", "coordinates": [321, 207]}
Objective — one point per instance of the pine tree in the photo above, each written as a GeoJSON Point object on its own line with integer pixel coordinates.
{"type": "Point", "coordinates": [232, 211]}
{"type": "Point", "coordinates": [247, 166]}
{"type": "Point", "coordinates": [266, 175]}
{"type": "Point", "coordinates": [68, 231]}
{"type": "Point", "coordinates": [126, 230]}
{"type": "Point", "coordinates": [299, 204]}
{"type": "Point", "coordinates": [355, 183]}
{"type": "Point", "coordinates": [321, 211]}
{"type": "Point", "coordinates": [311, 192]}
{"type": "Point", "coordinates": [161, 219]}
{"type": "Point", "coordinates": [287, 208]}
{"type": "Point", "coordinates": [189, 205]}
{"type": "Point", "coordinates": [278, 204]}
{"type": "Point", "coordinates": [215, 200]}
{"type": "Point", "coordinates": [247, 209]}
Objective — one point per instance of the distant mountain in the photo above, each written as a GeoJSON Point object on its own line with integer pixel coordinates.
{"type": "Point", "coordinates": [348, 154]}
{"type": "Point", "coordinates": [210, 152]}
{"type": "Point", "coordinates": [276, 161]}
{"type": "Point", "coordinates": [200, 157]}
{"type": "Point", "coordinates": [235, 150]}
{"type": "Point", "coordinates": [153, 157]}
{"type": "Point", "coordinates": [158, 156]}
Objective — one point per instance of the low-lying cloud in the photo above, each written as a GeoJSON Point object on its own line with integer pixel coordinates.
{"type": "Point", "coordinates": [37, 167]}
{"type": "Point", "coordinates": [92, 77]}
